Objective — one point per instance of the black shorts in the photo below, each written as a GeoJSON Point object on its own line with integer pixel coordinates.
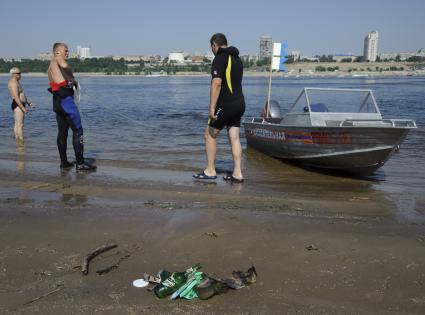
{"type": "Point", "coordinates": [15, 105]}
{"type": "Point", "coordinates": [228, 115]}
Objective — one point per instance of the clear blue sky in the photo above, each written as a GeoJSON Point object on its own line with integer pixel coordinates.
{"type": "Point", "coordinates": [125, 27]}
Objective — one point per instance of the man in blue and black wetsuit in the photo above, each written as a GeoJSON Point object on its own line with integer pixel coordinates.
{"type": "Point", "coordinates": [227, 106]}
{"type": "Point", "coordinates": [62, 81]}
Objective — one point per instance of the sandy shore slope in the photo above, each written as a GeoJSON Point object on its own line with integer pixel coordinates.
{"type": "Point", "coordinates": [359, 264]}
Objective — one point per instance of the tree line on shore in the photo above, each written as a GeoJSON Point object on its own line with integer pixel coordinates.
{"type": "Point", "coordinates": [109, 65]}
{"type": "Point", "coordinates": [106, 65]}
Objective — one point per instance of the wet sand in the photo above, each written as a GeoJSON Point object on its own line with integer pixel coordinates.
{"type": "Point", "coordinates": [361, 259]}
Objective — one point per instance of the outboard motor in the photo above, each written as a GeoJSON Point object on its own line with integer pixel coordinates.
{"type": "Point", "coordinates": [274, 111]}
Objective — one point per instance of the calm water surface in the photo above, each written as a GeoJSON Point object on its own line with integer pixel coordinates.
{"type": "Point", "coordinates": [158, 123]}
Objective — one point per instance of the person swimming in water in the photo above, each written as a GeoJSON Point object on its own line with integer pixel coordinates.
{"type": "Point", "coordinates": [19, 100]}
{"type": "Point", "coordinates": [62, 83]}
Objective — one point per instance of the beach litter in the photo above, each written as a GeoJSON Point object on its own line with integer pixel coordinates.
{"type": "Point", "coordinates": [312, 247]}
{"type": "Point", "coordinates": [194, 283]}
{"type": "Point", "coordinates": [211, 234]}
{"type": "Point", "coordinates": [140, 283]}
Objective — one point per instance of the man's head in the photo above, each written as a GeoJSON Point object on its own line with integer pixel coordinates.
{"type": "Point", "coordinates": [15, 72]}
{"type": "Point", "coordinates": [60, 50]}
{"type": "Point", "coordinates": [218, 40]}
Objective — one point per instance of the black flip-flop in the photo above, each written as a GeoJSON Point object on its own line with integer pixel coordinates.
{"type": "Point", "coordinates": [203, 176]}
{"type": "Point", "coordinates": [230, 178]}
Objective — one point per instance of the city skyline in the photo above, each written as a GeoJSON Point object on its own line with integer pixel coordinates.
{"type": "Point", "coordinates": [137, 28]}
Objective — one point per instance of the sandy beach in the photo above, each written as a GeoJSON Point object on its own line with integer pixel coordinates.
{"type": "Point", "coordinates": [321, 254]}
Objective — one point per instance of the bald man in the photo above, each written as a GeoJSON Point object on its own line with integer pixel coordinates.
{"type": "Point", "coordinates": [62, 83]}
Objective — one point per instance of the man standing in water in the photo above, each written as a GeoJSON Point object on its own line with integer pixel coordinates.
{"type": "Point", "coordinates": [227, 106]}
{"type": "Point", "coordinates": [62, 83]}
{"type": "Point", "coordinates": [19, 100]}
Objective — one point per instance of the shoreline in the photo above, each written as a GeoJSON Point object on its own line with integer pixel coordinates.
{"type": "Point", "coordinates": [361, 69]}
{"type": "Point", "coordinates": [363, 74]}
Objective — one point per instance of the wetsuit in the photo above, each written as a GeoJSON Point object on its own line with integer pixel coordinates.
{"type": "Point", "coordinates": [231, 102]}
{"type": "Point", "coordinates": [67, 116]}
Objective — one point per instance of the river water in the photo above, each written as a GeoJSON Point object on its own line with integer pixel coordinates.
{"type": "Point", "coordinates": [136, 123]}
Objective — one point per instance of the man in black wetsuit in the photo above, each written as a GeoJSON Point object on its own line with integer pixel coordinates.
{"type": "Point", "coordinates": [62, 81]}
{"type": "Point", "coordinates": [227, 106]}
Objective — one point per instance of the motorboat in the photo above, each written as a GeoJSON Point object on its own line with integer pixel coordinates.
{"type": "Point", "coordinates": [328, 128]}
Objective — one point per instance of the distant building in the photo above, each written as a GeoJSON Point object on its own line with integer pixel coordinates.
{"type": "Point", "coordinates": [197, 59]}
{"type": "Point", "coordinates": [296, 55]}
{"type": "Point", "coordinates": [44, 56]}
{"type": "Point", "coordinates": [266, 46]}
{"type": "Point", "coordinates": [307, 58]}
{"type": "Point", "coordinates": [209, 55]}
{"type": "Point", "coordinates": [132, 58]}
{"type": "Point", "coordinates": [83, 52]}
{"type": "Point", "coordinates": [249, 57]}
{"type": "Point", "coordinates": [343, 57]}
{"type": "Point", "coordinates": [370, 51]}
{"type": "Point", "coordinates": [135, 58]}
{"type": "Point", "coordinates": [402, 55]}
{"type": "Point", "coordinates": [176, 56]}
{"type": "Point", "coordinates": [12, 59]}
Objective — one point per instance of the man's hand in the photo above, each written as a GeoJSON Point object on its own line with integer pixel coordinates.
{"type": "Point", "coordinates": [212, 114]}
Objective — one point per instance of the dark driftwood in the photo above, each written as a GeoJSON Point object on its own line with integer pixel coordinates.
{"type": "Point", "coordinates": [90, 256]}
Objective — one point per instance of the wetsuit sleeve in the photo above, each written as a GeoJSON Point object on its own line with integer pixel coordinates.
{"type": "Point", "coordinates": [218, 68]}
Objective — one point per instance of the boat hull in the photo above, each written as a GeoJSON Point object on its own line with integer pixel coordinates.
{"type": "Point", "coordinates": [358, 150]}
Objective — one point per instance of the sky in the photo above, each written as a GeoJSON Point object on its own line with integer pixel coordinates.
{"type": "Point", "coordinates": [130, 27]}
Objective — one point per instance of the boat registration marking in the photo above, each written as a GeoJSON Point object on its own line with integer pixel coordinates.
{"type": "Point", "coordinates": [314, 137]}
{"type": "Point", "coordinates": [268, 134]}
{"type": "Point", "coordinates": [280, 135]}
{"type": "Point", "coordinates": [331, 137]}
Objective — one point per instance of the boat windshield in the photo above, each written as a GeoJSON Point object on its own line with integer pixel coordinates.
{"type": "Point", "coordinates": [317, 100]}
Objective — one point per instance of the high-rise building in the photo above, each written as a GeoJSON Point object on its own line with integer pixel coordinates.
{"type": "Point", "coordinates": [83, 52]}
{"type": "Point", "coordinates": [370, 51]}
{"type": "Point", "coordinates": [266, 46]}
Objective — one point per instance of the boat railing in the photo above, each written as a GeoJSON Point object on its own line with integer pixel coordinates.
{"type": "Point", "coordinates": [396, 123]}
{"type": "Point", "coordinates": [266, 120]}
{"type": "Point", "coordinates": [335, 100]}
{"type": "Point", "coordinates": [399, 123]}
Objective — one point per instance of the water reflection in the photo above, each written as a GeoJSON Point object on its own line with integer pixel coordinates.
{"type": "Point", "coordinates": [20, 157]}
{"type": "Point", "coordinates": [274, 177]}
